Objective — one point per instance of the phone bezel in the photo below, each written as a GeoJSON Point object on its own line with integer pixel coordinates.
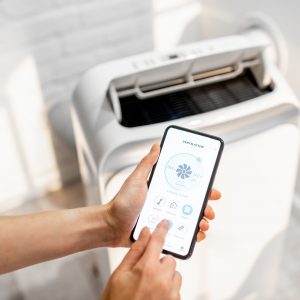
{"type": "Point", "coordinates": [215, 168]}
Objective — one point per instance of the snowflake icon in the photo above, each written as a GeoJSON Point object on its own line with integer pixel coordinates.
{"type": "Point", "coordinates": [184, 171]}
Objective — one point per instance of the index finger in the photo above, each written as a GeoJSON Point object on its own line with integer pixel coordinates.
{"type": "Point", "coordinates": [156, 242]}
{"type": "Point", "coordinates": [136, 251]}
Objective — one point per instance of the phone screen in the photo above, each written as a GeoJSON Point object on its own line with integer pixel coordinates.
{"type": "Point", "coordinates": [179, 187]}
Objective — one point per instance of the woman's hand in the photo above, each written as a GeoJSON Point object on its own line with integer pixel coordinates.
{"type": "Point", "coordinates": [126, 206]}
{"type": "Point", "coordinates": [143, 274]}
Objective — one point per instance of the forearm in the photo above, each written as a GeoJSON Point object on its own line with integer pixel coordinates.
{"type": "Point", "coordinates": [27, 240]}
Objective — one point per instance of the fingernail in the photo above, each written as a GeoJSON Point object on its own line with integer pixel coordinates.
{"type": "Point", "coordinates": [144, 232]}
{"type": "Point", "coordinates": [166, 222]}
{"type": "Point", "coordinates": [145, 229]}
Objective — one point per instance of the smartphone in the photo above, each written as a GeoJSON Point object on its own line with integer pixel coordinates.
{"type": "Point", "coordinates": [179, 187]}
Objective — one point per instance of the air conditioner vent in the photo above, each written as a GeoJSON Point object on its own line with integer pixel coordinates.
{"type": "Point", "coordinates": [197, 100]}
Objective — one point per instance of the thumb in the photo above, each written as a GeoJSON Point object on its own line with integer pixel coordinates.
{"type": "Point", "coordinates": [144, 167]}
{"type": "Point", "coordinates": [136, 251]}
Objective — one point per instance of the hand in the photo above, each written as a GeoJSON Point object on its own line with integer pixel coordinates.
{"type": "Point", "coordinates": [142, 274]}
{"type": "Point", "coordinates": [126, 206]}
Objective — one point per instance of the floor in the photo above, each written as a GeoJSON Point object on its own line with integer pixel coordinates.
{"type": "Point", "coordinates": [76, 277]}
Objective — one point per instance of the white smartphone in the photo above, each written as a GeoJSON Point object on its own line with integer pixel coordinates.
{"type": "Point", "coordinates": [179, 187]}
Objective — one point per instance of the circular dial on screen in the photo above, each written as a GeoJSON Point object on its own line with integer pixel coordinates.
{"type": "Point", "coordinates": [183, 171]}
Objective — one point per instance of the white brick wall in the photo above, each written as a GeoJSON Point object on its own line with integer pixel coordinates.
{"type": "Point", "coordinates": [65, 38]}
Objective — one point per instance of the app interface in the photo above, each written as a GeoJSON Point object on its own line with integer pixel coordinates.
{"type": "Point", "coordinates": [178, 187]}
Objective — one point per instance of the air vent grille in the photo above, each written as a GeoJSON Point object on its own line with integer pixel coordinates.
{"type": "Point", "coordinates": [201, 99]}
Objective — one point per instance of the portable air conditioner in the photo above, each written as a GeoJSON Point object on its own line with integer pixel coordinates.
{"type": "Point", "coordinates": [229, 87]}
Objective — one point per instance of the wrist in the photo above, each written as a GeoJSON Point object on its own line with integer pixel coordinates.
{"type": "Point", "coordinates": [104, 225]}
{"type": "Point", "coordinates": [91, 227]}
{"type": "Point", "coordinates": [110, 225]}
{"type": "Point", "coordinates": [116, 227]}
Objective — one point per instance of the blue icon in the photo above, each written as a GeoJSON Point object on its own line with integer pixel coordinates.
{"type": "Point", "coordinates": [184, 171]}
{"type": "Point", "coordinates": [170, 224]}
{"type": "Point", "coordinates": [187, 209]}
